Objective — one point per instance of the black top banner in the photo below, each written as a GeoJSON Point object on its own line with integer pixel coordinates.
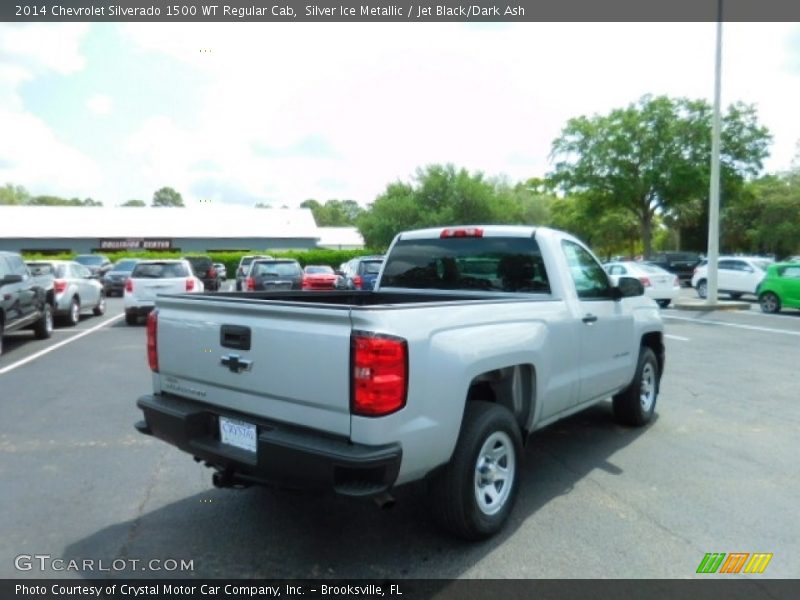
{"type": "Point", "coordinates": [398, 11]}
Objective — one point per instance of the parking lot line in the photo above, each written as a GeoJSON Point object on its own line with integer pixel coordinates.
{"type": "Point", "coordinates": [676, 337]}
{"type": "Point", "coordinates": [33, 357]}
{"type": "Point", "coordinates": [734, 325]}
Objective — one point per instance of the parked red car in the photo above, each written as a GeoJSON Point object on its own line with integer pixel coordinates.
{"type": "Point", "coordinates": [319, 277]}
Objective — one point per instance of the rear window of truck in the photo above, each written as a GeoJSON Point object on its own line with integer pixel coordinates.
{"type": "Point", "coordinates": [468, 264]}
{"type": "Point", "coordinates": [159, 271]}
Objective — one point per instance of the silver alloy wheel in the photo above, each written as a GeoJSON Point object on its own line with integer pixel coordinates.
{"type": "Point", "coordinates": [647, 390]}
{"type": "Point", "coordinates": [101, 306]}
{"type": "Point", "coordinates": [769, 303]}
{"type": "Point", "coordinates": [75, 311]}
{"type": "Point", "coordinates": [494, 473]}
{"type": "Point", "coordinates": [48, 319]}
{"type": "Point", "coordinates": [702, 289]}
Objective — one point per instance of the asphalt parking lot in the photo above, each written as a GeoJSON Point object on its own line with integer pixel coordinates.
{"type": "Point", "coordinates": [718, 471]}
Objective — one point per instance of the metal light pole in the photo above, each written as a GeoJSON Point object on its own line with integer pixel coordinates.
{"type": "Point", "coordinates": [713, 208]}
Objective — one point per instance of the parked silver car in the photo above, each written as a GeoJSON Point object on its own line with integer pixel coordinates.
{"type": "Point", "coordinates": [76, 289]}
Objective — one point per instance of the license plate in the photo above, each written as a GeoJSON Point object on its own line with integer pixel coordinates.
{"type": "Point", "coordinates": [237, 433]}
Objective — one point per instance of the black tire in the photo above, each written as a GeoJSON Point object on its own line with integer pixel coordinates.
{"type": "Point", "coordinates": [44, 326]}
{"type": "Point", "coordinates": [769, 302]}
{"type": "Point", "coordinates": [100, 309]}
{"type": "Point", "coordinates": [1, 338]}
{"type": "Point", "coordinates": [636, 404]}
{"type": "Point", "coordinates": [454, 489]}
{"type": "Point", "coordinates": [702, 288]}
{"type": "Point", "coordinates": [73, 316]}
{"type": "Point", "coordinates": [663, 303]}
{"type": "Point", "coordinates": [131, 318]}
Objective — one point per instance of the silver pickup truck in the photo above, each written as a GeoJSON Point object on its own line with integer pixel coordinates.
{"type": "Point", "coordinates": [473, 338]}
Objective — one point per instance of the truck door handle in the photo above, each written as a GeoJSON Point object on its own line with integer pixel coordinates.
{"type": "Point", "coordinates": [235, 336]}
{"type": "Point", "coordinates": [589, 318]}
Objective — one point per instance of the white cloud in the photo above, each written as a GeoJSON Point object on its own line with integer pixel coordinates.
{"type": "Point", "coordinates": [54, 47]}
{"type": "Point", "coordinates": [100, 104]}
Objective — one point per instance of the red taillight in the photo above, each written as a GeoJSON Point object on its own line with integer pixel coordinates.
{"type": "Point", "coordinates": [306, 283]}
{"type": "Point", "coordinates": [251, 284]}
{"type": "Point", "coordinates": [380, 374]}
{"type": "Point", "coordinates": [462, 232]}
{"type": "Point", "coordinates": [189, 284]}
{"type": "Point", "coordinates": [129, 286]}
{"type": "Point", "coordinates": [358, 282]}
{"type": "Point", "coordinates": [152, 345]}
{"type": "Point", "coordinates": [59, 285]}
{"type": "Point", "coordinates": [645, 281]}
{"type": "Point", "coordinates": [212, 272]}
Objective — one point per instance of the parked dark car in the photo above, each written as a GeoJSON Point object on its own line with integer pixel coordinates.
{"type": "Point", "coordinates": [243, 270]}
{"type": "Point", "coordinates": [360, 273]}
{"type": "Point", "coordinates": [114, 279]}
{"type": "Point", "coordinates": [681, 264]}
{"type": "Point", "coordinates": [23, 299]}
{"type": "Point", "coordinates": [204, 270]}
{"type": "Point", "coordinates": [98, 264]}
{"type": "Point", "coordinates": [274, 274]}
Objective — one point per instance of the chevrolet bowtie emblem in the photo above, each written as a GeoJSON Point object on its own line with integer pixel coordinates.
{"type": "Point", "coordinates": [235, 363]}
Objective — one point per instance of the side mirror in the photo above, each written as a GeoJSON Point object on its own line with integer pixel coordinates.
{"type": "Point", "coordinates": [626, 287]}
{"type": "Point", "coordinates": [9, 279]}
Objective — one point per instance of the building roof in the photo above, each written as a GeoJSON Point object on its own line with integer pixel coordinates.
{"type": "Point", "coordinates": [53, 222]}
{"type": "Point", "coordinates": [336, 237]}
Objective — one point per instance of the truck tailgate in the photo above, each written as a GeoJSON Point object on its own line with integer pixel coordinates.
{"type": "Point", "coordinates": [296, 369]}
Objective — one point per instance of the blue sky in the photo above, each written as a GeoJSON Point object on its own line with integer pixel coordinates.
{"type": "Point", "coordinates": [263, 112]}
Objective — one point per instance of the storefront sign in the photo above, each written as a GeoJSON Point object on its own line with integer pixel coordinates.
{"type": "Point", "coordinates": [135, 244]}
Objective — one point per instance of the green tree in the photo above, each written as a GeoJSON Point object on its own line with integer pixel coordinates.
{"type": "Point", "coordinates": [439, 195]}
{"type": "Point", "coordinates": [334, 213]}
{"type": "Point", "coordinates": [653, 156]}
{"type": "Point", "coordinates": [167, 196]}
{"type": "Point", "coordinates": [13, 195]}
{"type": "Point", "coordinates": [59, 201]}
{"type": "Point", "coordinates": [134, 203]}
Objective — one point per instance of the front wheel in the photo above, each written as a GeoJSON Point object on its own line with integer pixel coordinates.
{"type": "Point", "coordinates": [636, 404]}
{"type": "Point", "coordinates": [100, 309]}
{"type": "Point", "coordinates": [702, 288]}
{"type": "Point", "coordinates": [74, 313]}
{"type": "Point", "coordinates": [473, 494]}
{"type": "Point", "coordinates": [44, 326]}
{"type": "Point", "coordinates": [770, 303]}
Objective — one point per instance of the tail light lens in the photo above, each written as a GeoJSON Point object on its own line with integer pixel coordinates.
{"type": "Point", "coordinates": [152, 340]}
{"type": "Point", "coordinates": [645, 281]}
{"type": "Point", "coordinates": [189, 284]}
{"type": "Point", "coordinates": [461, 232]}
{"type": "Point", "coordinates": [129, 285]}
{"type": "Point", "coordinates": [59, 285]}
{"type": "Point", "coordinates": [251, 284]}
{"type": "Point", "coordinates": [306, 283]}
{"type": "Point", "coordinates": [380, 374]}
{"type": "Point", "coordinates": [212, 272]}
{"type": "Point", "coordinates": [358, 282]}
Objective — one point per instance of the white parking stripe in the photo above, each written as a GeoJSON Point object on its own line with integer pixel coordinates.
{"type": "Point", "coordinates": [676, 337]}
{"type": "Point", "coordinates": [735, 325]}
{"type": "Point", "coordinates": [33, 357]}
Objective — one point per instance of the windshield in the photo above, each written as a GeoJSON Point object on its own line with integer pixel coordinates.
{"type": "Point", "coordinates": [498, 264]}
{"type": "Point", "coordinates": [319, 270]}
{"type": "Point", "coordinates": [273, 269]}
{"type": "Point", "coordinates": [371, 267]}
{"type": "Point", "coordinates": [89, 260]}
{"type": "Point", "coordinates": [762, 263]}
{"type": "Point", "coordinates": [159, 271]}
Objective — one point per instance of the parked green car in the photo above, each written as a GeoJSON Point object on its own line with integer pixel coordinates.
{"type": "Point", "coordinates": [780, 288]}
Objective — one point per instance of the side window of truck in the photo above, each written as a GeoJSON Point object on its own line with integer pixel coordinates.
{"type": "Point", "coordinates": [591, 281]}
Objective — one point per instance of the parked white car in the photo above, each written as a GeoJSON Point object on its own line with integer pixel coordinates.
{"type": "Point", "coordinates": [736, 275]}
{"type": "Point", "coordinates": [76, 289]}
{"type": "Point", "coordinates": [659, 284]}
{"type": "Point", "coordinates": [151, 278]}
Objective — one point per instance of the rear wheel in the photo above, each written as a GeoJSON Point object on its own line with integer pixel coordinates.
{"type": "Point", "coordinates": [473, 494]}
{"type": "Point", "coordinates": [663, 303]}
{"type": "Point", "coordinates": [100, 309]}
{"type": "Point", "coordinates": [131, 318]}
{"type": "Point", "coordinates": [74, 313]}
{"type": "Point", "coordinates": [702, 288]}
{"type": "Point", "coordinates": [44, 326]}
{"type": "Point", "coordinates": [636, 404]}
{"type": "Point", "coordinates": [770, 303]}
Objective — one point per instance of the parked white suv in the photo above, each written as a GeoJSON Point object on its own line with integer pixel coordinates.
{"type": "Point", "coordinates": [150, 278]}
{"type": "Point", "coordinates": [736, 275]}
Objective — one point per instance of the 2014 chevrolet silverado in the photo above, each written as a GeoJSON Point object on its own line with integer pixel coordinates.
{"type": "Point", "coordinates": [473, 338]}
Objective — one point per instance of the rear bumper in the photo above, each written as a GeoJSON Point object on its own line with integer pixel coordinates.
{"type": "Point", "coordinates": [285, 454]}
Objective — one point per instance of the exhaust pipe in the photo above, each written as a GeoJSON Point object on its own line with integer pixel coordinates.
{"type": "Point", "coordinates": [384, 500]}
